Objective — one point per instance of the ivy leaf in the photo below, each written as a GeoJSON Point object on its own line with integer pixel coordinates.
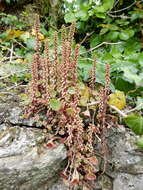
{"type": "Point", "coordinates": [99, 10]}
{"type": "Point", "coordinates": [123, 85]}
{"type": "Point", "coordinates": [131, 76]}
{"type": "Point", "coordinates": [69, 17]}
{"type": "Point", "coordinates": [115, 52]}
{"type": "Point", "coordinates": [108, 4]}
{"type": "Point", "coordinates": [85, 67]}
{"type": "Point", "coordinates": [82, 15]}
{"type": "Point", "coordinates": [30, 43]}
{"type": "Point", "coordinates": [126, 34]}
{"type": "Point", "coordinates": [100, 15]}
{"type": "Point", "coordinates": [103, 31]}
{"type": "Point", "coordinates": [95, 40]}
{"type": "Point", "coordinates": [113, 35]}
{"type": "Point", "coordinates": [117, 99]}
{"type": "Point", "coordinates": [55, 104]}
{"type": "Point", "coordinates": [135, 122]}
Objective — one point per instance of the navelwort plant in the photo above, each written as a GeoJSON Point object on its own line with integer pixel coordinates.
{"type": "Point", "coordinates": [55, 93]}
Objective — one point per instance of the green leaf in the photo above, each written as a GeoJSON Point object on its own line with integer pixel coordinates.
{"type": "Point", "coordinates": [82, 15]}
{"type": "Point", "coordinates": [136, 14]}
{"type": "Point", "coordinates": [131, 46]}
{"type": "Point", "coordinates": [69, 17]}
{"type": "Point", "coordinates": [108, 4]}
{"type": "Point", "coordinates": [114, 27]}
{"type": "Point", "coordinates": [131, 76]}
{"type": "Point", "coordinates": [123, 85]}
{"type": "Point", "coordinates": [99, 9]}
{"type": "Point", "coordinates": [84, 96]}
{"type": "Point", "coordinates": [84, 68]}
{"type": "Point", "coordinates": [140, 58]}
{"type": "Point", "coordinates": [82, 50]}
{"type": "Point", "coordinates": [25, 36]}
{"type": "Point", "coordinates": [25, 98]}
{"type": "Point", "coordinates": [95, 40]}
{"type": "Point", "coordinates": [113, 35]}
{"type": "Point", "coordinates": [55, 104]}
{"type": "Point", "coordinates": [30, 43]}
{"type": "Point", "coordinates": [135, 122]}
{"type": "Point", "coordinates": [122, 22]}
{"type": "Point", "coordinates": [126, 34]}
{"type": "Point", "coordinates": [103, 31]}
{"type": "Point", "coordinates": [107, 57]}
{"type": "Point", "coordinates": [139, 142]}
{"type": "Point", "coordinates": [100, 15]}
{"type": "Point", "coordinates": [139, 103]}
{"type": "Point", "coordinates": [115, 52]}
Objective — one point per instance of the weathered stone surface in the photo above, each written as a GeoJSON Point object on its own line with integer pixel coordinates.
{"type": "Point", "coordinates": [25, 164]}
{"type": "Point", "coordinates": [14, 115]}
{"type": "Point", "coordinates": [125, 181]}
{"type": "Point", "coordinates": [126, 159]}
{"type": "Point", "coordinates": [103, 183]}
{"type": "Point", "coordinates": [59, 186]}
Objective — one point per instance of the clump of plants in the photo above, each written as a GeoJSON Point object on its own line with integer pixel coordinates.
{"type": "Point", "coordinates": [56, 100]}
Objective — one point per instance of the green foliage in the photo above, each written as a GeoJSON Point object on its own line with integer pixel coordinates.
{"type": "Point", "coordinates": [135, 122]}
{"type": "Point", "coordinates": [83, 10]}
{"type": "Point", "coordinates": [125, 56]}
{"type": "Point", "coordinates": [139, 142]}
{"type": "Point", "coordinates": [139, 103]}
{"type": "Point", "coordinates": [21, 43]}
{"type": "Point", "coordinates": [12, 21]}
{"type": "Point", "coordinates": [123, 29]}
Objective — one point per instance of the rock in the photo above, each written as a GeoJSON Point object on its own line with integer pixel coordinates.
{"type": "Point", "coordinates": [126, 159]}
{"type": "Point", "coordinates": [59, 186]}
{"type": "Point", "coordinates": [14, 115]}
{"type": "Point", "coordinates": [25, 164]}
{"type": "Point", "coordinates": [126, 181]}
{"type": "Point", "coordinates": [103, 183]}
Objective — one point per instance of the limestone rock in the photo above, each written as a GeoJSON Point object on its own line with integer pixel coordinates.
{"type": "Point", "coordinates": [15, 115]}
{"type": "Point", "coordinates": [127, 160]}
{"type": "Point", "coordinates": [25, 164]}
{"type": "Point", "coordinates": [126, 181]}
